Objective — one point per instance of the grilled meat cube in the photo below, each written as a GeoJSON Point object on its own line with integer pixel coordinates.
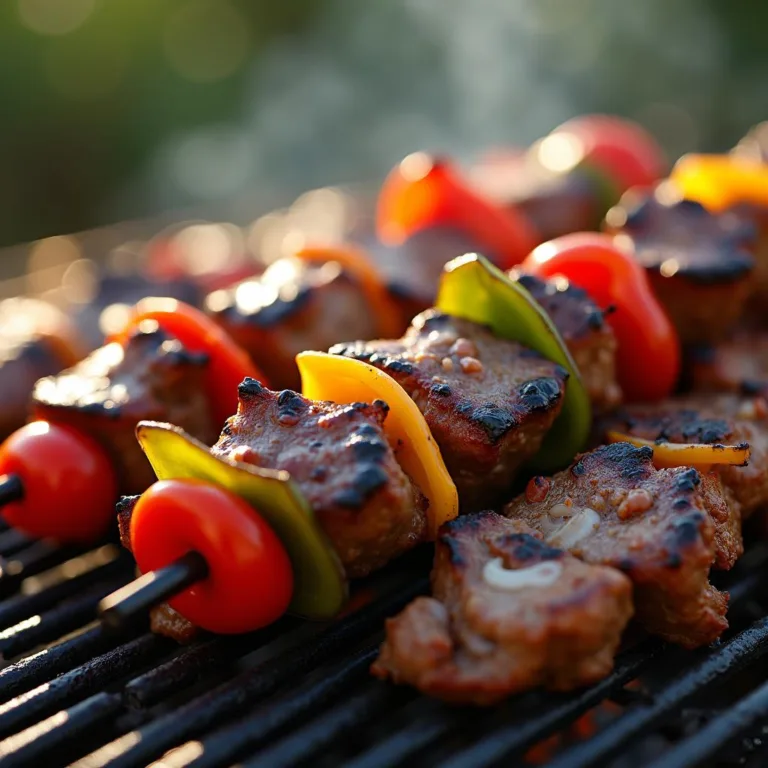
{"type": "Point", "coordinates": [721, 419]}
{"type": "Point", "coordinates": [36, 340]}
{"type": "Point", "coordinates": [293, 306]}
{"type": "Point", "coordinates": [612, 507]}
{"type": "Point", "coordinates": [509, 613]}
{"type": "Point", "coordinates": [589, 338]}
{"type": "Point", "coordinates": [488, 401]}
{"type": "Point", "coordinates": [756, 216]}
{"type": "Point", "coordinates": [699, 263]}
{"type": "Point", "coordinates": [163, 620]}
{"type": "Point", "coordinates": [738, 365]}
{"type": "Point", "coordinates": [153, 377]}
{"type": "Point", "coordinates": [412, 270]}
{"type": "Point", "coordinates": [339, 457]}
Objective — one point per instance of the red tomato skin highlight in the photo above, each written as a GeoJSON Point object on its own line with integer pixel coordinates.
{"type": "Point", "coordinates": [229, 364]}
{"type": "Point", "coordinates": [250, 579]}
{"type": "Point", "coordinates": [69, 484]}
{"type": "Point", "coordinates": [648, 355]}
{"type": "Point", "coordinates": [622, 150]}
{"type": "Point", "coordinates": [423, 192]}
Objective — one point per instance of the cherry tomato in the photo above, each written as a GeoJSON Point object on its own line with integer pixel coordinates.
{"type": "Point", "coordinates": [69, 484]}
{"type": "Point", "coordinates": [426, 192]}
{"type": "Point", "coordinates": [621, 149]}
{"type": "Point", "coordinates": [229, 364]}
{"type": "Point", "coordinates": [648, 355]}
{"type": "Point", "coordinates": [250, 579]}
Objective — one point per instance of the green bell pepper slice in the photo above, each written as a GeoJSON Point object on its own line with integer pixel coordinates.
{"type": "Point", "coordinates": [473, 289]}
{"type": "Point", "coordinates": [320, 585]}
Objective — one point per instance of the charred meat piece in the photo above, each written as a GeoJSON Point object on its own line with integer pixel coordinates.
{"type": "Point", "coordinates": [722, 419]}
{"type": "Point", "coordinates": [412, 270]}
{"type": "Point", "coordinates": [488, 401]}
{"type": "Point", "coordinates": [293, 306]}
{"type": "Point", "coordinates": [163, 620]}
{"type": "Point", "coordinates": [555, 202]}
{"type": "Point", "coordinates": [612, 507]}
{"type": "Point", "coordinates": [153, 377]}
{"type": "Point", "coordinates": [756, 216]}
{"type": "Point", "coordinates": [738, 365]}
{"type": "Point", "coordinates": [36, 340]}
{"type": "Point", "coordinates": [699, 262]}
{"type": "Point", "coordinates": [339, 457]}
{"type": "Point", "coordinates": [509, 613]}
{"type": "Point", "coordinates": [589, 338]}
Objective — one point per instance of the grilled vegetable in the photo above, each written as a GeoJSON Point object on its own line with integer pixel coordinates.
{"type": "Point", "coordinates": [474, 289]}
{"type": "Point", "coordinates": [423, 192]}
{"type": "Point", "coordinates": [648, 357]}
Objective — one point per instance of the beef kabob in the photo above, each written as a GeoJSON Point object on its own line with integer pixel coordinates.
{"type": "Point", "coordinates": [62, 472]}
{"type": "Point", "coordinates": [427, 212]}
{"type": "Point", "coordinates": [661, 517]}
{"type": "Point", "coordinates": [355, 510]}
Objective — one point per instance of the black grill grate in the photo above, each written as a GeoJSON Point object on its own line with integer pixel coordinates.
{"type": "Point", "coordinates": [297, 693]}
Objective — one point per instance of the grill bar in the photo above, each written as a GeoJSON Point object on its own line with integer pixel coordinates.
{"type": "Point", "coordinates": [736, 722]}
{"type": "Point", "coordinates": [337, 723]}
{"type": "Point", "coordinates": [78, 683]}
{"type": "Point", "coordinates": [747, 646]}
{"type": "Point", "coordinates": [35, 559]}
{"type": "Point", "coordinates": [39, 744]}
{"type": "Point", "coordinates": [207, 711]}
{"type": "Point", "coordinates": [226, 745]}
{"type": "Point", "coordinates": [61, 620]}
{"type": "Point", "coordinates": [186, 668]}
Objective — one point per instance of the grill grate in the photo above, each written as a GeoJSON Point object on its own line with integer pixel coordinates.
{"type": "Point", "coordinates": [297, 693]}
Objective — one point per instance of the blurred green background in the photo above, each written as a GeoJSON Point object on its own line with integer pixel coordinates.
{"type": "Point", "coordinates": [113, 109]}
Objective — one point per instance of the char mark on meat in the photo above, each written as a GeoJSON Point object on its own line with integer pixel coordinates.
{"type": "Point", "coordinates": [509, 612]}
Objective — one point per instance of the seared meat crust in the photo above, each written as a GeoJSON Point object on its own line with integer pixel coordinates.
{"type": "Point", "coordinates": [699, 262]}
{"type": "Point", "coordinates": [613, 507]}
{"type": "Point", "coordinates": [589, 338]}
{"type": "Point", "coordinates": [339, 457]}
{"type": "Point", "coordinates": [721, 419]}
{"type": "Point", "coordinates": [488, 401]}
{"type": "Point", "coordinates": [105, 395]}
{"type": "Point", "coordinates": [738, 365]}
{"type": "Point", "coordinates": [478, 643]}
{"type": "Point", "coordinates": [292, 306]}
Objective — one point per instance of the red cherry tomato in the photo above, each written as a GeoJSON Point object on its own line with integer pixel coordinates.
{"type": "Point", "coordinates": [622, 150]}
{"type": "Point", "coordinates": [648, 355]}
{"type": "Point", "coordinates": [250, 580]}
{"type": "Point", "coordinates": [69, 484]}
{"type": "Point", "coordinates": [229, 364]}
{"type": "Point", "coordinates": [426, 192]}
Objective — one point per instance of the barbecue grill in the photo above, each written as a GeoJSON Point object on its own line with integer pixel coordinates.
{"type": "Point", "coordinates": [71, 693]}
{"type": "Point", "coordinates": [74, 693]}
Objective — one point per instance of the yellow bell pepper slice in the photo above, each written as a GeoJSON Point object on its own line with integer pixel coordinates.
{"type": "Point", "coordinates": [719, 182]}
{"type": "Point", "coordinates": [699, 455]}
{"type": "Point", "coordinates": [472, 288]}
{"type": "Point", "coordinates": [320, 585]}
{"type": "Point", "coordinates": [345, 380]}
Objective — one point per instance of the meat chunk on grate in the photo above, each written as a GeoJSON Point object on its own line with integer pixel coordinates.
{"type": "Point", "coordinates": [339, 457]}
{"type": "Point", "coordinates": [488, 401]}
{"type": "Point", "coordinates": [509, 612]}
{"type": "Point", "coordinates": [153, 377]}
{"type": "Point", "coordinates": [613, 507]}
{"type": "Point", "coordinates": [721, 419]}
{"type": "Point", "coordinates": [589, 339]}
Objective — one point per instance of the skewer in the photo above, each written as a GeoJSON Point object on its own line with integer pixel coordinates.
{"type": "Point", "coordinates": [132, 602]}
{"type": "Point", "coordinates": [11, 489]}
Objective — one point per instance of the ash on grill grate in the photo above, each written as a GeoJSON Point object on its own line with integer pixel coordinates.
{"type": "Point", "coordinates": [297, 693]}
